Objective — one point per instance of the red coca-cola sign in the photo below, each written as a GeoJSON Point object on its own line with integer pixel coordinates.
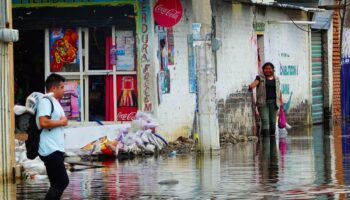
{"type": "Point", "coordinates": [127, 94]}
{"type": "Point", "coordinates": [167, 13]}
{"type": "Point", "coordinates": [126, 116]}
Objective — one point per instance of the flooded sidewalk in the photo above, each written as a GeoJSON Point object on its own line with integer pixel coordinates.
{"type": "Point", "coordinates": [304, 165]}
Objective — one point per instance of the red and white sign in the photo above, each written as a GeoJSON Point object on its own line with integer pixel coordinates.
{"type": "Point", "coordinates": [168, 13]}
{"type": "Point", "coordinates": [126, 116]}
{"type": "Point", "coordinates": [127, 97]}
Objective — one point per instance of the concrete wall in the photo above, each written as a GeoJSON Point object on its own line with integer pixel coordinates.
{"type": "Point", "coordinates": [285, 45]}
{"type": "Point", "coordinates": [176, 111]}
{"type": "Point", "coordinates": [327, 40]}
{"type": "Point", "coordinates": [236, 66]}
{"type": "Point", "coordinates": [288, 48]}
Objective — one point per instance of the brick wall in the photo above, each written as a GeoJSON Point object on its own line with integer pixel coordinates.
{"type": "Point", "coordinates": [336, 67]}
{"type": "Point", "coordinates": [235, 114]}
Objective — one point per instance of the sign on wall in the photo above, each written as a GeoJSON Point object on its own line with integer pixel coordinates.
{"type": "Point", "coordinates": [147, 76]}
{"type": "Point", "coordinates": [126, 97]}
{"type": "Point", "coordinates": [125, 59]}
{"type": "Point", "coordinates": [191, 65]}
{"type": "Point", "coordinates": [167, 13]}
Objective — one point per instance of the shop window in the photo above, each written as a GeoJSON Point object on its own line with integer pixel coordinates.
{"type": "Point", "coordinates": [29, 64]}
{"type": "Point", "coordinates": [98, 37]}
{"type": "Point", "coordinates": [101, 72]}
{"type": "Point", "coordinates": [97, 98]}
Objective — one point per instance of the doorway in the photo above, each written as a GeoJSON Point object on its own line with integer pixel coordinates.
{"type": "Point", "coordinates": [29, 64]}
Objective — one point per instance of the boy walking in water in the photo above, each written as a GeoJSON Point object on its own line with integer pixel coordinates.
{"type": "Point", "coordinates": [51, 119]}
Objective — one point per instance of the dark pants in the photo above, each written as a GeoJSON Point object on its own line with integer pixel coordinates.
{"type": "Point", "coordinates": [268, 115]}
{"type": "Point", "coordinates": [57, 174]}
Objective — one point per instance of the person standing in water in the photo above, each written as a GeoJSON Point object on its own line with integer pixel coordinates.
{"type": "Point", "coordinates": [51, 119]}
{"type": "Point", "coordinates": [268, 98]}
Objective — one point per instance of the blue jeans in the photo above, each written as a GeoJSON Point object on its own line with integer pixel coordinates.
{"type": "Point", "coordinates": [268, 116]}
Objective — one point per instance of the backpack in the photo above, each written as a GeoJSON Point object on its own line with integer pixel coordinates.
{"type": "Point", "coordinates": [26, 122]}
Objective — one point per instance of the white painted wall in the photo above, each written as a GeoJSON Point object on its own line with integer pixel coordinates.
{"type": "Point", "coordinates": [237, 58]}
{"type": "Point", "coordinates": [176, 112]}
{"type": "Point", "coordinates": [330, 64]}
{"type": "Point", "coordinates": [346, 43]}
{"type": "Point", "coordinates": [286, 44]}
{"type": "Point", "coordinates": [236, 62]}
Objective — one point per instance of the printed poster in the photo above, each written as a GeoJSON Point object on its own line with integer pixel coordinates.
{"type": "Point", "coordinates": [191, 65]}
{"type": "Point", "coordinates": [71, 100]}
{"type": "Point", "coordinates": [127, 97]}
{"type": "Point", "coordinates": [63, 45]}
{"type": "Point", "coordinates": [165, 81]}
{"type": "Point", "coordinates": [160, 92]}
{"type": "Point", "coordinates": [170, 35]}
{"type": "Point", "coordinates": [125, 53]}
{"type": "Point", "coordinates": [163, 48]}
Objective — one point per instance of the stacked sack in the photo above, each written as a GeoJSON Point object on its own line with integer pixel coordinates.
{"type": "Point", "coordinates": [138, 138]}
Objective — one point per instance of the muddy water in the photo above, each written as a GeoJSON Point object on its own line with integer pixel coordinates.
{"type": "Point", "coordinates": [304, 165]}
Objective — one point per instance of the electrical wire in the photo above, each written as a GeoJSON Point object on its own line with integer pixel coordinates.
{"type": "Point", "coordinates": [308, 31]}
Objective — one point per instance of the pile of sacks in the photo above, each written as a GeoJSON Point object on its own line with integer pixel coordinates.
{"type": "Point", "coordinates": [138, 138]}
{"type": "Point", "coordinates": [33, 170]}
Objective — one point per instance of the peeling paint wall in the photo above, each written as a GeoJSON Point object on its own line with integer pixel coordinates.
{"type": "Point", "coordinates": [237, 66]}
{"type": "Point", "coordinates": [176, 111]}
{"type": "Point", "coordinates": [285, 45]}
{"type": "Point", "coordinates": [288, 47]}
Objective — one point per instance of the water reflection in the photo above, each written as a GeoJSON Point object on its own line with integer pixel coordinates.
{"type": "Point", "coordinates": [306, 163]}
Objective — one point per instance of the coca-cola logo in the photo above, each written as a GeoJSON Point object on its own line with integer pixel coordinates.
{"type": "Point", "coordinates": [167, 13]}
{"type": "Point", "coordinates": [172, 13]}
{"type": "Point", "coordinates": [126, 116]}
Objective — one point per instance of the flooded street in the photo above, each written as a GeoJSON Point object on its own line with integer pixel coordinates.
{"type": "Point", "coordinates": [303, 165]}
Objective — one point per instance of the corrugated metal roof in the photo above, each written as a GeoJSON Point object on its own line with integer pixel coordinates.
{"type": "Point", "coordinates": [309, 5]}
{"type": "Point", "coordinates": [302, 3]}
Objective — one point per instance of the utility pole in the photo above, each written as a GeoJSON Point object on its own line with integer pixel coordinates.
{"type": "Point", "coordinates": [7, 145]}
{"type": "Point", "coordinates": [206, 79]}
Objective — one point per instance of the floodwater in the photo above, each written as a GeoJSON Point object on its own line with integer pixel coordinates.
{"type": "Point", "coordinates": [307, 164]}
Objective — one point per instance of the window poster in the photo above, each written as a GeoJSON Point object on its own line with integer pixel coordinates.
{"type": "Point", "coordinates": [71, 100]}
{"type": "Point", "coordinates": [124, 50]}
{"type": "Point", "coordinates": [127, 97]}
{"type": "Point", "coordinates": [63, 46]}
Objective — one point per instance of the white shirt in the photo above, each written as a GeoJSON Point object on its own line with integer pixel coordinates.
{"type": "Point", "coordinates": [50, 140]}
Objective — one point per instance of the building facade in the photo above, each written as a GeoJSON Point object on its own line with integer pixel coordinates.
{"type": "Point", "coordinates": [118, 60]}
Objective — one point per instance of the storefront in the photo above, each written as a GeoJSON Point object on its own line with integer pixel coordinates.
{"type": "Point", "coordinates": [100, 47]}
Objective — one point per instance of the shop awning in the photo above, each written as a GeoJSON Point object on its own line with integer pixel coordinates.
{"type": "Point", "coordinates": [301, 3]}
{"type": "Point", "coordinates": [321, 17]}
{"type": "Point", "coordinates": [305, 5]}
{"type": "Point", "coordinates": [122, 17]}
